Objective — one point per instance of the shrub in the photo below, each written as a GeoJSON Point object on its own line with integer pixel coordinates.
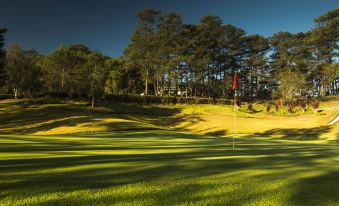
{"type": "Point", "coordinates": [303, 106]}
{"type": "Point", "coordinates": [151, 99]}
{"type": "Point", "coordinates": [290, 108]}
{"type": "Point", "coordinates": [315, 104]}
{"type": "Point", "coordinates": [238, 103]}
{"type": "Point", "coordinates": [6, 96]}
{"type": "Point", "coordinates": [250, 107]}
{"type": "Point", "coordinates": [277, 106]}
{"type": "Point", "coordinates": [268, 108]}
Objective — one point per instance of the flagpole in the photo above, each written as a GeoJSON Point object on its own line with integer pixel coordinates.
{"type": "Point", "coordinates": [234, 87]}
{"type": "Point", "coordinates": [234, 119]}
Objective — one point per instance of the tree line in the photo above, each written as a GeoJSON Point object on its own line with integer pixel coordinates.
{"type": "Point", "coordinates": [167, 57]}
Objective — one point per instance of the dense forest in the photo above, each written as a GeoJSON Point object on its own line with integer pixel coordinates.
{"type": "Point", "coordinates": [167, 57]}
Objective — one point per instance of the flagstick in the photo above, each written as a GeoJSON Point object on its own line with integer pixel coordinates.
{"type": "Point", "coordinates": [235, 85]}
{"type": "Point", "coordinates": [235, 103]}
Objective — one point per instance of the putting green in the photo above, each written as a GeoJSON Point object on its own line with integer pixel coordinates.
{"type": "Point", "coordinates": [157, 167]}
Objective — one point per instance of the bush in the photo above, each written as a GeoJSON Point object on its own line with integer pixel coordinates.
{"type": "Point", "coordinates": [238, 103]}
{"type": "Point", "coordinates": [268, 108]}
{"type": "Point", "coordinates": [315, 104]}
{"type": "Point", "coordinates": [151, 99]}
{"type": "Point", "coordinates": [277, 106]}
{"type": "Point", "coordinates": [290, 108]}
{"type": "Point", "coordinates": [250, 107]}
{"type": "Point", "coordinates": [6, 96]}
{"type": "Point", "coordinates": [303, 106]}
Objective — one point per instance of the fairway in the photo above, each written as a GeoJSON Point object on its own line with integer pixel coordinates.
{"type": "Point", "coordinates": [157, 167]}
{"type": "Point", "coordinates": [127, 154]}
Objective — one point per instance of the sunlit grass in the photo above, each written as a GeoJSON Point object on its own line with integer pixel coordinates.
{"type": "Point", "coordinates": [29, 117]}
{"type": "Point", "coordinates": [129, 154]}
{"type": "Point", "coordinates": [158, 167]}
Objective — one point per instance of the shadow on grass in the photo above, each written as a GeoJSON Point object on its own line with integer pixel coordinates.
{"type": "Point", "coordinates": [317, 190]}
{"type": "Point", "coordinates": [218, 132]}
{"type": "Point", "coordinates": [28, 117]}
{"type": "Point", "coordinates": [164, 167]}
{"type": "Point", "coordinates": [298, 134]}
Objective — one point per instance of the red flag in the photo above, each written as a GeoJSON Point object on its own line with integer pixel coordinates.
{"type": "Point", "coordinates": [235, 81]}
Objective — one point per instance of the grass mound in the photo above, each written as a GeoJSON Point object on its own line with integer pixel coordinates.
{"type": "Point", "coordinates": [38, 118]}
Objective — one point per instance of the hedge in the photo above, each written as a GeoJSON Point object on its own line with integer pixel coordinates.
{"type": "Point", "coordinates": [151, 99]}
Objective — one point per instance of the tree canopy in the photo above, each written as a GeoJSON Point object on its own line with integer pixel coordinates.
{"type": "Point", "coordinates": [167, 57]}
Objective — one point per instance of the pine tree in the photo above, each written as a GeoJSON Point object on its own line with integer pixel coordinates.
{"type": "Point", "coordinates": [2, 56]}
{"type": "Point", "coordinates": [142, 49]}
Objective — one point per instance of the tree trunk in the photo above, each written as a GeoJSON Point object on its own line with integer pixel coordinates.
{"type": "Point", "coordinates": [15, 90]}
{"type": "Point", "coordinates": [156, 88]}
{"type": "Point", "coordinates": [93, 94]}
{"type": "Point", "coordinates": [93, 100]}
{"type": "Point", "coordinates": [169, 83]}
{"type": "Point", "coordinates": [186, 91]}
{"type": "Point", "coordinates": [146, 82]}
{"type": "Point", "coordinates": [62, 78]}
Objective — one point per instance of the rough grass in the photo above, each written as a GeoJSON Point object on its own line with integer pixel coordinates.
{"type": "Point", "coordinates": [158, 167]}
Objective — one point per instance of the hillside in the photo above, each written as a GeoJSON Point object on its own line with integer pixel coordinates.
{"type": "Point", "coordinates": [34, 117]}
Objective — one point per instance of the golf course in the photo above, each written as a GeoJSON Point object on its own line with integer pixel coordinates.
{"type": "Point", "coordinates": [129, 154]}
{"type": "Point", "coordinates": [169, 103]}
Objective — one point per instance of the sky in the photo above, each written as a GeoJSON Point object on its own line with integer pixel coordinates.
{"type": "Point", "coordinates": [107, 25]}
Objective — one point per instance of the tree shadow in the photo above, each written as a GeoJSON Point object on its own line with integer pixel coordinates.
{"type": "Point", "coordinates": [316, 190]}
{"type": "Point", "coordinates": [218, 132]}
{"type": "Point", "coordinates": [190, 164]}
{"type": "Point", "coordinates": [28, 117]}
{"type": "Point", "coordinates": [185, 166]}
{"type": "Point", "coordinates": [298, 134]}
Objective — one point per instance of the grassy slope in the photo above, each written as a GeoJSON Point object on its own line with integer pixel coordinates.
{"type": "Point", "coordinates": [144, 166]}
{"type": "Point", "coordinates": [24, 117]}
{"type": "Point", "coordinates": [219, 120]}
{"type": "Point", "coordinates": [166, 168]}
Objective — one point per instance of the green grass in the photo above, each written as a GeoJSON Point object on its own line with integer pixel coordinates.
{"type": "Point", "coordinates": [158, 167]}
{"type": "Point", "coordinates": [129, 154]}
{"type": "Point", "coordinates": [32, 117]}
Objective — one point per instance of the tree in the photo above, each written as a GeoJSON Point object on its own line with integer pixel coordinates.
{"type": "Point", "coordinates": [97, 73]}
{"type": "Point", "coordinates": [115, 77]}
{"type": "Point", "coordinates": [232, 54]}
{"type": "Point", "coordinates": [166, 55]}
{"type": "Point", "coordinates": [188, 49]}
{"type": "Point", "coordinates": [142, 49]}
{"type": "Point", "coordinates": [331, 72]}
{"type": "Point", "coordinates": [210, 34]}
{"type": "Point", "coordinates": [290, 52]}
{"type": "Point", "coordinates": [291, 84]}
{"type": "Point", "coordinates": [61, 70]}
{"type": "Point", "coordinates": [323, 41]}
{"type": "Point", "coordinates": [168, 37]}
{"type": "Point", "coordinates": [33, 73]}
{"type": "Point", "coordinates": [256, 64]}
{"type": "Point", "coordinates": [21, 71]}
{"type": "Point", "coordinates": [2, 56]}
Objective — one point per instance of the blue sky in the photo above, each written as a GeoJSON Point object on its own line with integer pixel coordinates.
{"type": "Point", "coordinates": [107, 25]}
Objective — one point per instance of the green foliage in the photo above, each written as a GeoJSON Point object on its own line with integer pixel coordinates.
{"type": "Point", "coordinates": [151, 99]}
{"type": "Point", "coordinates": [142, 49]}
{"type": "Point", "coordinates": [77, 71]}
{"type": "Point", "coordinates": [22, 73]}
{"type": "Point", "coordinates": [169, 58]}
{"type": "Point", "coordinates": [2, 56]}
{"type": "Point", "coordinates": [291, 84]}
